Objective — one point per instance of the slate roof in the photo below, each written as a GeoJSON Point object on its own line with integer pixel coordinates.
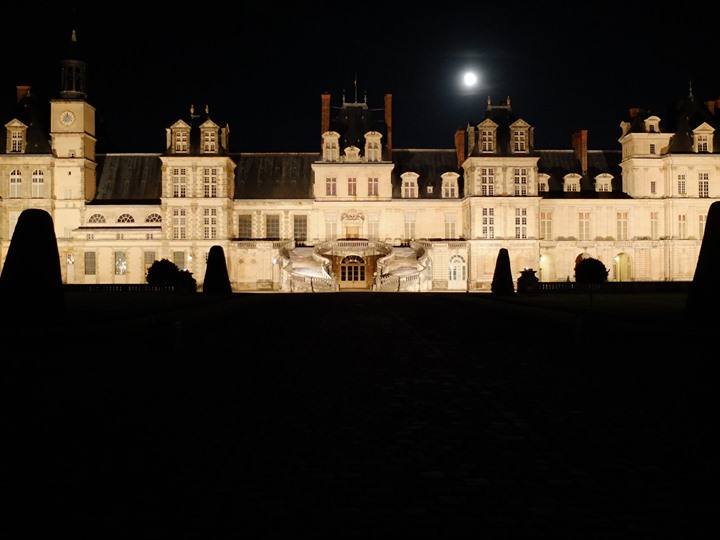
{"type": "Point", "coordinates": [125, 178]}
{"type": "Point", "coordinates": [274, 175]}
{"type": "Point", "coordinates": [430, 165]}
{"type": "Point", "coordinates": [559, 163]}
{"type": "Point", "coordinates": [30, 112]}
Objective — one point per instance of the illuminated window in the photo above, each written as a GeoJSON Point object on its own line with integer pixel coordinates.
{"type": "Point", "coordinates": [179, 223]}
{"type": "Point", "coordinates": [120, 263]}
{"type": "Point", "coordinates": [38, 184]}
{"type": "Point", "coordinates": [210, 182]}
{"type": "Point", "coordinates": [90, 263]}
{"type": "Point", "coordinates": [521, 223]}
{"type": "Point", "coordinates": [457, 269]}
{"type": "Point", "coordinates": [209, 223]}
{"type": "Point", "coordinates": [179, 182]}
{"type": "Point", "coordinates": [272, 226]}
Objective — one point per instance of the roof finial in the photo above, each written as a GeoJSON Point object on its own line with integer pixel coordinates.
{"type": "Point", "coordinates": [192, 109]}
{"type": "Point", "coordinates": [691, 95]}
{"type": "Point", "coordinates": [207, 109]}
{"type": "Point", "coordinates": [489, 101]}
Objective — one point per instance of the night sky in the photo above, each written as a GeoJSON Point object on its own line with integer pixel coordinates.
{"type": "Point", "coordinates": [261, 69]}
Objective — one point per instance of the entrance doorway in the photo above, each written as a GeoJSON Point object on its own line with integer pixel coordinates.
{"type": "Point", "coordinates": [353, 273]}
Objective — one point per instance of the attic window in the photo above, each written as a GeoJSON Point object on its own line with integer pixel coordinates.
{"type": "Point", "coordinates": [125, 218]}
{"type": "Point", "coordinates": [16, 140]}
{"type": "Point", "coordinates": [180, 141]}
{"type": "Point", "coordinates": [409, 186]}
{"type": "Point", "coordinates": [572, 183]}
{"type": "Point", "coordinates": [450, 186]}
{"type": "Point", "coordinates": [209, 141]}
{"type": "Point", "coordinates": [97, 218]}
{"type": "Point", "coordinates": [153, 218]}
{"type": "Point", "coordinates": [429, 190]}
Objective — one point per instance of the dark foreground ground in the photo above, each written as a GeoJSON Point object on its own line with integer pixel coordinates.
{"type": "Point", "coordinates": [362, 415]}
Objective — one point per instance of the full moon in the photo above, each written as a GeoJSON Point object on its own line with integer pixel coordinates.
{"type": "Point", "coordinates": [470, 79]}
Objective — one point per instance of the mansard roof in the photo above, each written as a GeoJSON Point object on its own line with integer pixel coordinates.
{"type": "Point", "coordinates": [128, 178]}
{"type": "Point", "coordinates": [559, 163]}
{"type": "Point", "coordinates": [683, 117]}
{"type": "Point", "coordinates": [430, 165]}
{"type": "Point", "coordinates": [274, 175]}
{"type": "Point", "coordinates": [195, 121]}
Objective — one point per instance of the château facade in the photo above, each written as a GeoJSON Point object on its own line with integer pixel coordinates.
{"type": "Point", "coordinates": [358, 213]}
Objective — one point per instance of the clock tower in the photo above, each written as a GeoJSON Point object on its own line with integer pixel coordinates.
{"type": "Point", "coordinates": [72, 131]}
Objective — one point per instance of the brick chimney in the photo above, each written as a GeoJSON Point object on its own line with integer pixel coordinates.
{"type": "Point", "coordinates": [711, 106]}
{"type": "Point", "coordinates": [580, 145]}
{"type": "Point", "coordinates": [460, 146]}
{"type": "Point", "coordinates": [388, 123]}
{"type": "Point", "coordinates": [324, 115]}
{"type": "Point", "coordinates": [22, 91]}
{"type": "Point", "coordinates": [634, 111]}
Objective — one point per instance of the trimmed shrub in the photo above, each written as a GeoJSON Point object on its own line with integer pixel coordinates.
{"type": "Point", "coordinates": [217, 280]}
{"type": "Point", "coordinates": [591, 271]}
{"type": "Point", "coordinates": [502, 282]}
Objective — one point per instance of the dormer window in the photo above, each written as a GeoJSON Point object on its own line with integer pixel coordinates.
{"type": "Point", "coordinates": [181, 138]}
{"type": "Point", "coordinates": [209, 138]}
{"type": "Point", "coordinates": [487, 140]}
{"type": "Point", "coordinates": [703, 138]}
{"type": "Point", "coordinates": [450, 186]}
{"type": "Point", "coordinates": [603, 183]}
{"type": "Point", "coordinates": [16, 137]}
{"type": "Point", "coordinates": [543, 182]}
{"type": "Point", "coordinates": [652, 124]}
{"type": "Point", "coordinates": [373, 148]}
{"type": "Point", "coordinates": [409, 186]}
{"type": "Point", "coordinates": [331, 146]}
{"type": "Point", "coordinates": [572, 183]}
{"type": "Point", "coordinates": [520, 136]}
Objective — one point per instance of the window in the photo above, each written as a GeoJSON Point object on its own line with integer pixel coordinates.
{"type": "Point", "coordinates": [17, 140]}
{"type": "Point", "coordinates": [15, 183]}
{"type": "Point", "coordinates": [209, 141]}
{"type": "Point", "coordinates": [520, 181]}
{"type": "Point", "coordinates": [487, 182]}
{"type": "Point", "coordinates": [487, 143]}
{"type": "Point", "coordinates": [210, 182]}
{"type": "Point", "coordinates": [682, 227]}
{"type": "Point", "coordinates": [272, 226]}
{"type": "Point", "coordinates": [125, 218]}
{"type": "Point", "coordinates": [450, 226]}
{"type": "Point", "coordinates": [245, 226]}
{"type": "Point", "coordinates": [584, 226]}
{"type": "Point", "coordinates": [38, 184]}
{"type": "Point", "coordinates": [179, 223]}
{"type": "Point", "coordinates": [652, 187]}
{"type": "Point", "coordinates": [519, 141]}
{"type": "Point", "coordinates": [179, 182]}
{"type": "Point", "coordinates": [120, 263]}
{"type": "Point", "coordinates": [654, 225]}
{"type": "Point", "coordinates": [622, 225]}
{"type": "Point", "coordinates": [97, 218]}
{"type": "Point", "coordinates": [652, 148]}
{"type": "Point", "coordinates": [409, 188]}
{"type": "Point", "coordinates": [488, 223]}
{"type": "Point", "coordinates": [449, 188]}
{"type": "Point", "coordinates": [331, 186]}
{"type": "Point", "coordinates": [457, 270]}
{"type": "Point", "coordinates": [373, 186]}
{"type": "Point", "coordinates": [702, 143]}
{"type": "Point", "coordinates": [148, 259]}
{"type": "Point", "coordinates": [90, 263]}
{"type": "Point", "coordinates": [703, 184]}
{"type": "Point", "coordinates": [409, 226]}
{"type": "Point", "coordinates": [153, 218]}
{"type": "Point", "coordinates": [521, 223]}
{"type": "Point", "coordinates": [209, 223]}
{"type": "Point", "coordinates": [181, 140]}
{"type": "Point", "coordinates": [300, 228]}
{"type": "Point", "coordinates": [330, 226]}
{"type": "Point", "coordinates": [179, 259]}
{"type": "Point", "coordinates": [352, 186]}
{"type": "Point", "coordinates": [373, 224]}
{"type": "Point", "coordinates": [701, 225]}
{"type": "Point", "coordinates": [681, 184]}
{"type": "Point", "coordinates": [546, 225]}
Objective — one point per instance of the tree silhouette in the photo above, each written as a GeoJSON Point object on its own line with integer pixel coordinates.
{"type": "Point", "coordinates": [31, 279]}
{"type": "Point", "coordinates": [163, 272]}
{"type": "Point", "coordinates": [590, 271]}
{"type": "Point", "coordinates": [502, 282]}
{"type": "Point", "coordinates": [217, 280]}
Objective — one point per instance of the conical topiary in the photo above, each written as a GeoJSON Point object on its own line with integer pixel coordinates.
{"type": "Point", "coordinates": [31, 279]}
{"type": "Point", "coordinates": [217, 280]}
{"type": "Point", "coordinates": [502, 282]}
{"type": "Point", "coordinates": [704, 294]}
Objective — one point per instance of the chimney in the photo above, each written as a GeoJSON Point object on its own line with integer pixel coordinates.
{"type": "Point", "coordinates": [711, 106]}
{"type": "Point", "coordinates": [634, 111]}
{"type": "Point", "coordinates": [324, 115]}
{"type": "Point", "coordinates": [388, 123]}
{"type": "Point", "coordinates": [22, 91]}
{"type": "Point", "coordinates": [460, 146]}
{"type": "Point", "coordinates": [579, 143]}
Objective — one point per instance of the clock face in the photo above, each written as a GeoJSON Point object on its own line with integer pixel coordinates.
{"type": "Point", "coordinates": [67, 118]}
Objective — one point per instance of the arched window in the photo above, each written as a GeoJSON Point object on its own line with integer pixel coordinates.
{"type": "Point", "coordinates": [125, 218]}
{"type": "Point", "coordinates": [97, 218]}
{"type": "Point", "coordinates": [153, 218]}
{"type": "Point", "coordinates": [15, 183]}
{"type": "Point", "coordinates": [457, 271]}
{"type": "Point", "coordinates": [38, 184]}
